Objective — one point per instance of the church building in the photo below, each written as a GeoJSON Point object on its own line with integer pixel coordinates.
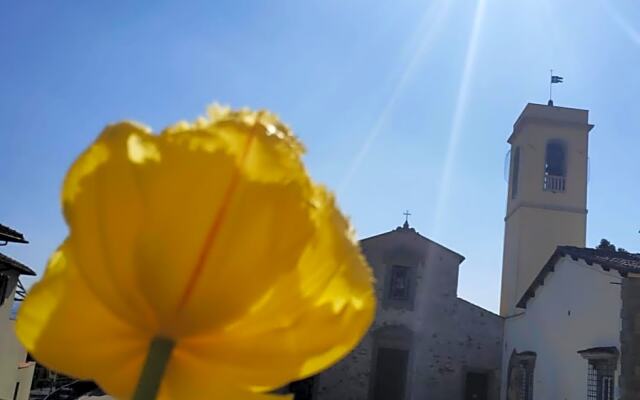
{"type": "Point", "coordinates": [426, 342]}
{"type": "Point", "coordinates": [569, 323]}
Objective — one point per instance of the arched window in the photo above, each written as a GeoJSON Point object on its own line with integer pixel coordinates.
{"type": "Point", "coordinates": [555, 159]}
{"type": "Point", "coordinates": [555, 166]}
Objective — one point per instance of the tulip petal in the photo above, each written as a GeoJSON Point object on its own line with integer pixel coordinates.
{"type": "Point", "coordinates": [210, 234]}
{"type": "Point", "coordinates": [211, 231]}
{"type": "Point", "coordinates": [311, 318]}
{"type": "Point", "coordinates": [275, 155]}
{"type": "Point", "coordinates": [65, 327]}
{"type": "Point", "coordinates": [185, 203]}
{"type": "Point", "coordinates": [104, 209]}
{"type": "Point", "coordinates": [185, 380]}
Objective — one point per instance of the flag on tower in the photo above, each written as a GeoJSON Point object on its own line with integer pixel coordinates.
{"type": "Point", "coordinates": [554, 79]}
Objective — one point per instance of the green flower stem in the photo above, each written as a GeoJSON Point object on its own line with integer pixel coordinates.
{"type": "Point", "coordinates": [153, 370]}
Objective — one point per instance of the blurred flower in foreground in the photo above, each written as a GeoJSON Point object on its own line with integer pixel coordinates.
{"type": "Point", "coordinates": [210, 237]}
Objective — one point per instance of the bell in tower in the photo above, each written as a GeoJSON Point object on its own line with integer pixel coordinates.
{"type": "Point", "coordinates": [547, 198]}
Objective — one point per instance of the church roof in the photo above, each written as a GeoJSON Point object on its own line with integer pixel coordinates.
{"type": "Point", "coordinates": [7, 262]}
{"type": "Point", "coordinates": [10, 235]}
{"type": "Point", "coordinates": [623, 263]}
{"type": "Point", "coordinates": [406, 229]}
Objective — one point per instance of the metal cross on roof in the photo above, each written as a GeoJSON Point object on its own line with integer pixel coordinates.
{"type": "Point", "coordinates": [406, 218]}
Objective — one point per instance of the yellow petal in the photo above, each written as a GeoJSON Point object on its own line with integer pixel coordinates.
{"type": "Point", "coordinates": [310, 319]}
{"type": "Point", "coordinates": [104, 209]}
{"type": "Point", "coordinates": [185, 380]}
{"type": "Point", "coordinates": [66, 328]}
{"type": "Point", "coordinates": [169, 229]}
{"type": "Point", "coordinates": [274, 154]}
{"type": "Point", "coordinates": [211, 234]}
{"type": "Point", "coordinates": [211, 231]}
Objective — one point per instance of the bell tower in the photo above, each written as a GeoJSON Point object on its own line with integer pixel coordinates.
{"type": "Point", "coordinates": [547, 197]}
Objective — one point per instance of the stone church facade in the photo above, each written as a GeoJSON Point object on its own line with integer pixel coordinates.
{"type": "Point", "coordinates": [426, 342]}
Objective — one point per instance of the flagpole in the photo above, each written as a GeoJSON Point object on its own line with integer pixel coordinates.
{"type": "Point", "coordinates": [550, 86]}
{"type": "Point", "coordinates": [554, 79]}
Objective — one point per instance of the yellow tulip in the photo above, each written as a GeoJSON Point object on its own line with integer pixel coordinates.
{"type": "Point", "coordinates": [210, 238]}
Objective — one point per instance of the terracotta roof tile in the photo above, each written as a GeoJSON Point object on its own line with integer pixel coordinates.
{"type": "Point", "coordinates": [623, 263]}
{"type": "Point", "coordinates": [627, 262]}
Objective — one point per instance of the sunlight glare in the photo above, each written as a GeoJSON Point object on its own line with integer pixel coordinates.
{"type": "Point", "coordinates": [429, 26]}
{"type": "Point", "coordinates": [616, 16]}
{"type": "Point", "coordinates": [458, 116]}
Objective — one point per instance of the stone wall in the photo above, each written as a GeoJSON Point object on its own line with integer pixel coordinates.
{"type": "Point", "coordinates": [630, 340]}
{"type": "Point", "coordinates": [447, 336]}
{"type": "Point", "coordinates": [349, 379]}
{"type": "Point", "coordinates": [463, 338]}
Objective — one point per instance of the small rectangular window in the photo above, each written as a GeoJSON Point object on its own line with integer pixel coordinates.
{"type": "Point", "coordinates": [515, 172]}
{"type": "Point", "coordinates": [399, 288]}
{"type": "Point", "coordinates": [400, 284]}
{"type": "Point", "coordinates": [4, 286]}
{"type": "Point", "coordinates": [601, 380]}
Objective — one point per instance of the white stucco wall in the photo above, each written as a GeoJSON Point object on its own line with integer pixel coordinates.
{"type": "Point", "coordinates": [8, 361]}
{"type": "Point", "coordinates": [12, 354]}
{"type": "Point", "coordinates": [577, 308]}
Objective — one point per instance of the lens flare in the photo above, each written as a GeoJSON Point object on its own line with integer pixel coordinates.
{"type": "Point", "coordinates": [458, 117]}
{"type": "Point", "coordinates": [427, 31]}
{"type": "Point", "coordinates": [632, 32]}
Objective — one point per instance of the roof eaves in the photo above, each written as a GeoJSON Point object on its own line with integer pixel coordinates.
{"type": "Point", "coordinates": [589, 256]}
{"type": "Point", "coordinates": [610, 352]}
{"type": "Point", "coordinates": [413, 231]}
{"type": "Point", "coordinates": [8, 234]}
{"type": "Point", "coordinates": [8, 263]}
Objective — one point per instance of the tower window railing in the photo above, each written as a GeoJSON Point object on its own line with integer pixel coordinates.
{"type": "Point", "coordinates": [554, 183]}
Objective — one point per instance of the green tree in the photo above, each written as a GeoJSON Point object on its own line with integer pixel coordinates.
{"type": "Point", "coordinates": [606, 245]}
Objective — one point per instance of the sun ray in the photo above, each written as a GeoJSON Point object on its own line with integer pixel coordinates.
{"type": "Point", "coordinates": [552, 32]}
{"type": "Point", "coordinates": [632, 32]}
{"type": "Point", "coordinates": [429, 26]}
{"type": "Point", "coordinates": [458, 117]}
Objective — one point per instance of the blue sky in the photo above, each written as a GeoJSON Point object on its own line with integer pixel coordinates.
{"type": "Point", "coordinates": [401, 104]}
